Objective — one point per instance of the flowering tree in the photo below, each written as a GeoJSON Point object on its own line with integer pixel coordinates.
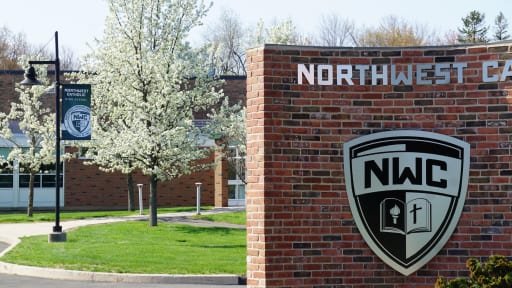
{"type": "Point", "coordinates": [228, 125]}
{"type": "Point", "coordinates": [147, 83]}
{"type": "Point", "coordinates": [37, 124]}
{"type": "Point", "coordinates": [279, 32]}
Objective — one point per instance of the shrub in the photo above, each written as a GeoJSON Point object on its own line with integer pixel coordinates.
{"type": "Point", "coordinates": [496, 272]}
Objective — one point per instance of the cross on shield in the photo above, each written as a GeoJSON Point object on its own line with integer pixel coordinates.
{"type": "Point", "coordinates": [406, 191]}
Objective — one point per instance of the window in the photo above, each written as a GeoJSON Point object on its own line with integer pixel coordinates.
{"type": "Point", "coordinates": [48, 175]}
{"type": "Point", "coordinates": [45, 178]}
{"type": "Point", "coordinates": [25, 180]}
{"type": "Point", "coordinates": [6, 175]}
{"type": "Point", "coordinates": [236, 174]}
{"type": "Point", "coordinates": [236, 191]}
{"type": "Point", "coordinates": [241, 192]}
{"type": "Point", "coordinates": [232, 191]}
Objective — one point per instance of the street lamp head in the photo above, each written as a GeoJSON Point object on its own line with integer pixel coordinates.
{"type": "Point", "coordinates": [30, 77]}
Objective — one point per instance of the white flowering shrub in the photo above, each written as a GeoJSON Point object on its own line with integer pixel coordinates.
{"type": "Point", "coordinates": [37, 123]}
{"type": "Point", "coordinates": [147, 83]}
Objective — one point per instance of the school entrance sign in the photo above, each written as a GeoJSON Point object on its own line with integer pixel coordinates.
{"type": "Point", "coordinates": [315, 122]}
{"type": "Point", "coordinates": [406, 191]}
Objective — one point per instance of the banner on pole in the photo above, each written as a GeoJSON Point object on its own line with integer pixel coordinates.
{"type": "Point", "coordinates": [76, 112]}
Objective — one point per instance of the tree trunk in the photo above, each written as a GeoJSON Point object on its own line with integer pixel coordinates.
{"type": "Point", "coordinates": [153, 221]}
{"type": "Point", "coordinates": [30, 207]}
{"type": "Point", "coordinates": [129, 180]}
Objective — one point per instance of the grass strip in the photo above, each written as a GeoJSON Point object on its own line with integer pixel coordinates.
{"type": "Point", "coordinates": [40, 216]}
{"type": "Point", "coordinates": [134, 247]}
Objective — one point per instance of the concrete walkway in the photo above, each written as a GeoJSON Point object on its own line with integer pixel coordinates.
{"type": "Point", "coordinates": [12, 233]}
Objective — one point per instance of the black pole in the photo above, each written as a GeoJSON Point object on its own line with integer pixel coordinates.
{"type": "Point", "coordinates": [57, 227]}
{"type": "Point", "coordinates": [57, 235]}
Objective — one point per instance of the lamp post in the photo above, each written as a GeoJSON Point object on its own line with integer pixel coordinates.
{"type": "Point", "coordinates": [30, 79]}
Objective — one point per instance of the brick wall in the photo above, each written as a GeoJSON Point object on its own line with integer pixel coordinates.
{"type": "Point", "coordinates": [301, 232]}
{"type": "Point", "coordinates": [86, 188]}
{"type": "Point", "coordinates": [8, 79]}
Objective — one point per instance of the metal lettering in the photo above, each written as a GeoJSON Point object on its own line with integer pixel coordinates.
{"type": "Point", "coordinates": [440, 73]}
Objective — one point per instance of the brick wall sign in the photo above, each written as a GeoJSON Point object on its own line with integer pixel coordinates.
{"type": "Point", "coordinates": [377, 167]}
{"type": "Point", "coordinates": [406, 191]}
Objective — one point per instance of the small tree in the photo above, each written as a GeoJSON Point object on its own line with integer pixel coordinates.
{"type": "Point", "coordinates": [473, 28]}
{"type": "Point", "coordinates": [37, 124]}
{"type": "Point", "coordinates": [279, 32]}
{"type": "Point", "coordinates": [500, 27]}
{"type": "Point", "coordinates": [147, 85]}
{"type": "Point", "coordinates": [282, 32]}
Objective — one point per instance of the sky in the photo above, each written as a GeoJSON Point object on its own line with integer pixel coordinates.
{"type": "Point", "coordinates": [79, 22]}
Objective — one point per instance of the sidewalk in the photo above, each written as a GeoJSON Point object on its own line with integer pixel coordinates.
{"type": "Point", "coordinates": [12, 233]}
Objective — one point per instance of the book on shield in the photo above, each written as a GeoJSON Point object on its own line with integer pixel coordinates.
{"type": "Point", "coordinates": [405, 218]}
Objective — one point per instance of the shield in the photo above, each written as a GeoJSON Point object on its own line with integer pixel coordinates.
{"type": "Point", "coordinates": [406, 191]}
{"type": "Point", "coordinates": [77, 121]}
{"type": "Point", "coordinates": [80, 120]}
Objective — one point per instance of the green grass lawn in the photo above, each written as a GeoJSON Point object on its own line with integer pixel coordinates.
{"type": "Point", "coordinates": [39, 216]}
{"type": "Point", "coordinates": [232, 217]}
{"type": "Point", "coordinates": [134, 247]}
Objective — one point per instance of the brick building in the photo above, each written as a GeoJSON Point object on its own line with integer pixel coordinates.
{"type": "Point", "coordinates": [87, 187]}
{"type": "Point", "coordinates": [305, 103]}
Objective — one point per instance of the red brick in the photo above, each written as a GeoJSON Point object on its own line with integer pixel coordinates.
{"type": "Point", "coordinates": [314, 209]}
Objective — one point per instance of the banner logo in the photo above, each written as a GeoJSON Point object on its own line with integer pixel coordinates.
{"type": "Point", "coordinates": [406, 191]}
{"type": "Point", "coordinates": [77, 121]}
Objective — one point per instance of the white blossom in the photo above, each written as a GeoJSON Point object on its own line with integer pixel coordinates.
{"type": "Point", "coordinates": [279, 32]}
{"type": "Point", "coordinates": [36, 146]}
{"type": "Point", "coordinates": [228, 124]}
{"type": "Point", "coordinates": [147, 83]}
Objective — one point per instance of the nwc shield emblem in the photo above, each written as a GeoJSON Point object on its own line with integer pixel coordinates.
{"type": "Point", "coordinates": [406, 190]}
{"type": "Point", "coordinates": [77, 121]}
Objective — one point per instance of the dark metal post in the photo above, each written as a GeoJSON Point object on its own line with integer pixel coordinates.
{"type": "Point", "coordinates": [57, 235]}
{"type": "Point", "coordinates": [57, 227]}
